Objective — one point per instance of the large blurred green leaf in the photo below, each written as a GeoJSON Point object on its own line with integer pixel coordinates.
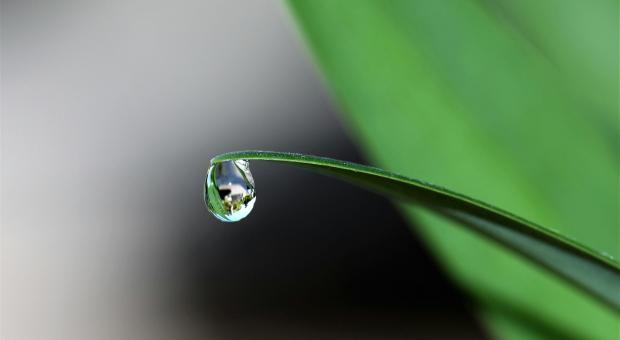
{"type": "Point", "coordinates": [512, 102]}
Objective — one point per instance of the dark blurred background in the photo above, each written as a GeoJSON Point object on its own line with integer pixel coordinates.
{"type": "Point", "coordinates": [111, 111]}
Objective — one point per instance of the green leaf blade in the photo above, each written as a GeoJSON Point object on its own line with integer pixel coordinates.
{"type": "Point", "coordinates": [458, 95]}
{"type": "Point", "coordinates": [589, 270]}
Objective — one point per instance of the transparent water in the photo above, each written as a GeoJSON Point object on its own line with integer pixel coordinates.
{"type": "Point", "coordinates": [229, 190]}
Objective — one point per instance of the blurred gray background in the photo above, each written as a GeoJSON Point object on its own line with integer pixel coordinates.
{"type": "Point", "coordinates": [111, 111]}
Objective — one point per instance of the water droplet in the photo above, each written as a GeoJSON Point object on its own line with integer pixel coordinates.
{"type": "Point", "coordinates": [229, 190]}
{"type": "Point", "coordinates": [607, 255]}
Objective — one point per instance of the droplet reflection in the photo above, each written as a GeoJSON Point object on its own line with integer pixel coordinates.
{"type": "Point", "coordinates": [229, 190]}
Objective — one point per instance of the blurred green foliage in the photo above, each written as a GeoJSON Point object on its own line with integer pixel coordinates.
{"type": "Point", "coordinates": [514, 102]}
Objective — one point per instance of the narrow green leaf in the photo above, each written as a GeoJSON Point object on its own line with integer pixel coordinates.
{"type": "Point", "coordinates": [595, 273]}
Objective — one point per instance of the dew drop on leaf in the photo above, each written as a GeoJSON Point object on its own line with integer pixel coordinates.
{"type": "Point", "coordinates": [229, 190]}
